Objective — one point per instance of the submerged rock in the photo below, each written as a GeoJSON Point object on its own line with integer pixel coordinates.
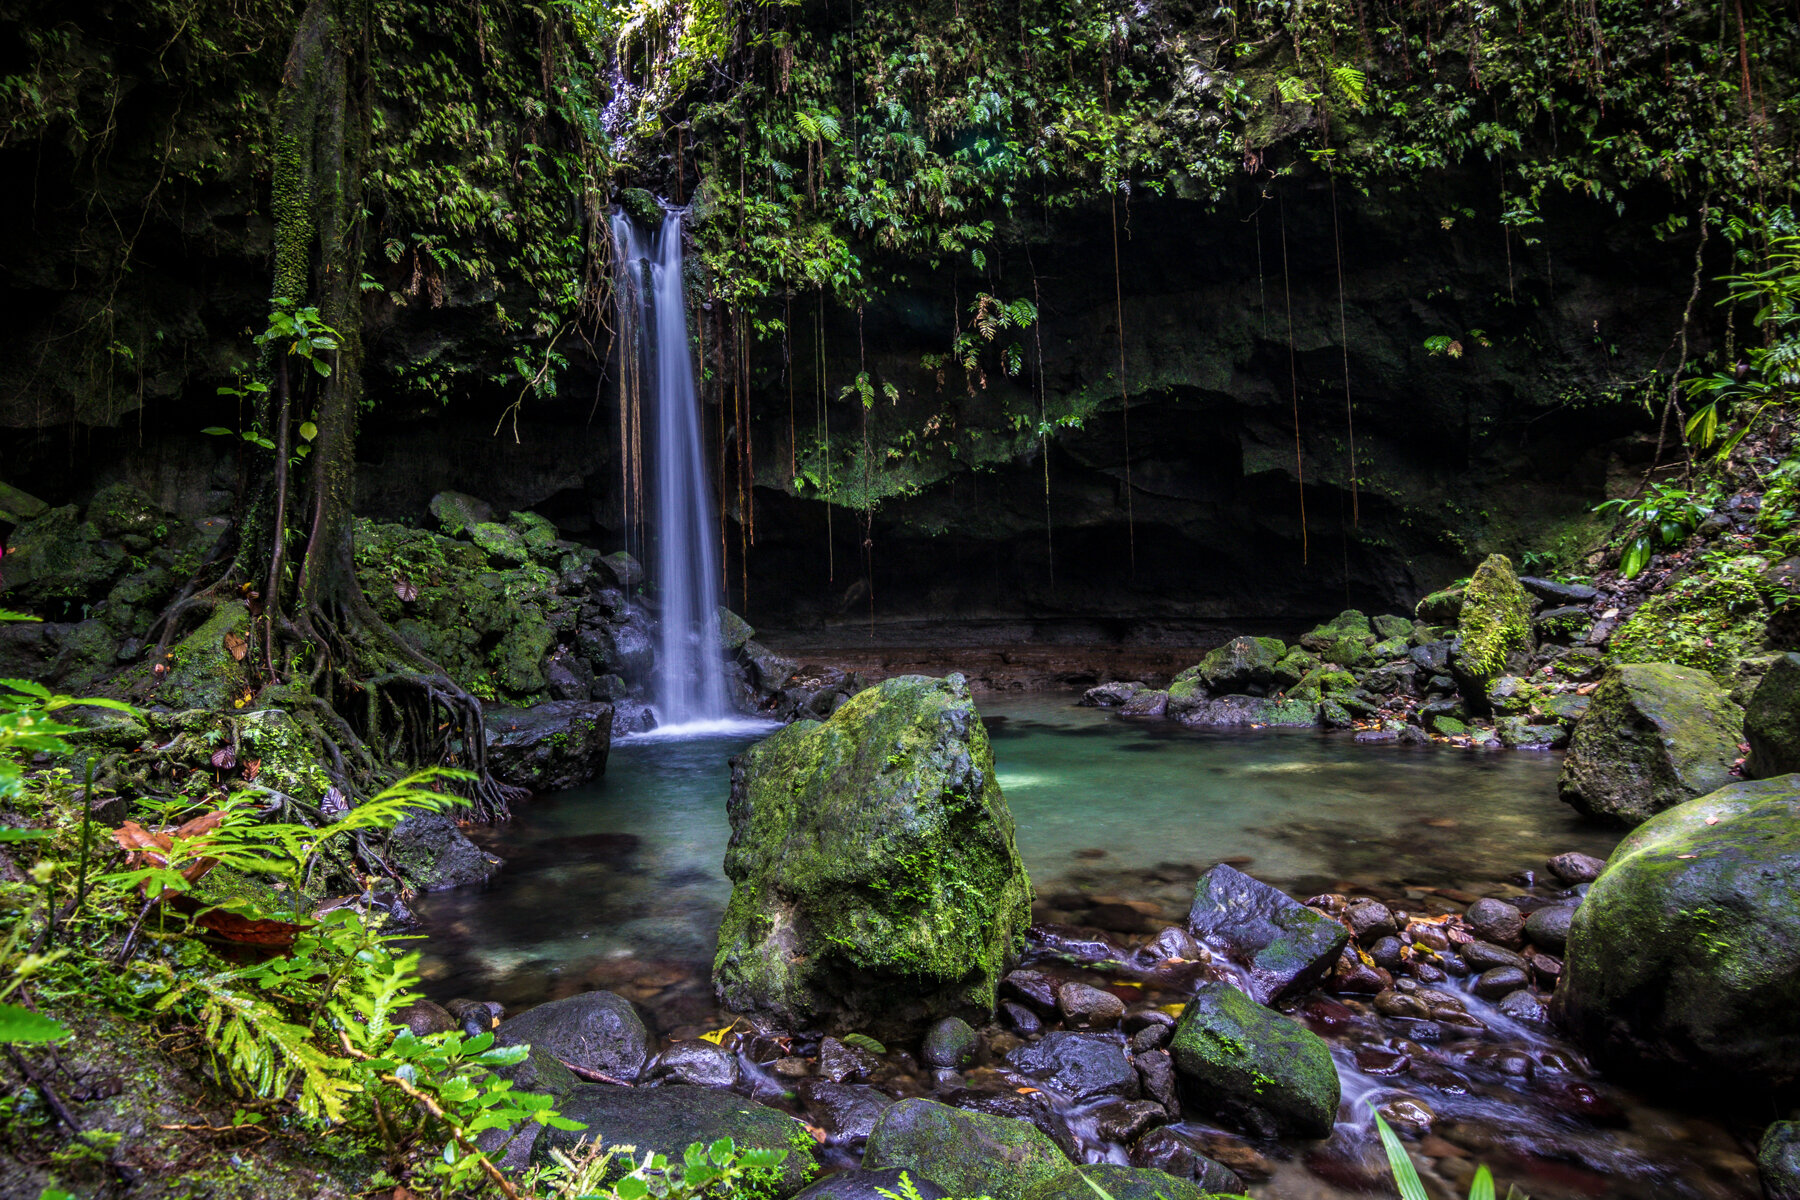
{"type": "Point", "coordinates": [1247, 710]}
{"type": "Point", "coordinates": [1167, 1150]}
{"type": "Point", "coordinates": [1772, 720]}
{"type": "Point", "coordinates": [1655, 735]}
{"type": "Point", "coordinates": [875, 879]}
{"type": "Point", "coordinates": [1080, 1065]}
{"type": "Point", "coordinates": [967, 1153]}
{"type": "Point", "coordinates": [1683, 961]}
{"type": "Point", "coordinates": [595, 1031]}
{"type": "Point", "coordinates": [549, 747]}
{"type": "Point", "coordinates": [1285, 946]}
{"type": "Point", "coordinates": [1255, 1066]}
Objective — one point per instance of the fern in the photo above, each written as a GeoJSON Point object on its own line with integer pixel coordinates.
{"type": "Point", "coordinates": [264, 1051]}
{"type": "Point", "coordinates": [1351, 82]}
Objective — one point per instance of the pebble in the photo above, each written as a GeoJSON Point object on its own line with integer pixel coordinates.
{"type": "Point", "coordinates": [1386, 952]}
{"type": "Point", "coordinates": [1500, 981]}
{"type": "Point", "coordinates": [1485, 955]}
{"type": "Point", "coordinates": [1408, 1116]}
{"type": "Point", "coordinates": [1150, 1037]}
{"type": "Point", "coordinates": [1393, 1003]}
{"type": "Point", "coordinates": [1573, 868]}
{"type": "Point", "coordinates": [1521, 1005]}
{"type": "Point", "coordinates": [1548, 928]}
{"type": "Point", "coordinates": [1496, 921]}
{"type": "Point", "coordinates": [1369, 920]}
{"type": "Point", "coordinates": [1087, 1007]}
{"type": "Point", "coordinates": [1021, 1018]}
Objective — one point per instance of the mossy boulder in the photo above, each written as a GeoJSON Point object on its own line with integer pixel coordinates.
{"type": "Point", "coordinates": [458, 511]}
{"type": "Point", "coordinates": [1255, 1066]}
{"type": "Point", "coordinates": [549, 747]}
{"type": "Point", "coordinates": [1654, 735]}
{"type": "Point", "coordinates": [1245, 710]}
{"type": "Point", "coordinates": [539, 533]}
{"type": "Point", "coordinates": [595, 1031]}
{"type": "Point", "coordinates": [1495, 619]}
{"type": "Point", "coordinates": [57, 562]}
{"type": "Point", "coordinates": [1321, 682]}
{"type": "Point", "coordinates": [1347, 626]}
{"type": "Point", "coordinates": [203, 669]}
{"type": "Point", "coordinates": [667, 1120]}
{"type": "Point", "coordinates": [504, 545]}
{"type": "Point", "coordinates": [122, 509]}
{"type": "Point", "coordinates": [1683, 962]}
{"type": "Point", "coordinates": [1778, 1161]}
{"type": "Point", "coordinates": [289, 759]}
{"type": "Point", "coordinates": [734, 631]}
{"type": "Point", "coordinates": [432, 853]}
{"type": "Point", "coordinates": [875, 879]}
{"type": "Point", "coordinates": [1121, 1183]}
{"type": "Point", "coordinates": [1440, 607]}
{"type": "Point", "coordinates": [966, 1153]}
{"type": "Point", "coordinates": [1772, 720]}
{"type": "Point", "coordinates": [1241, 663]}
{"type": "Point", "coordinates": [18, 505]}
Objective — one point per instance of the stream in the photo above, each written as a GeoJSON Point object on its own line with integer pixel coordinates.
{"type": "Point", "coordinates": [618, 885]}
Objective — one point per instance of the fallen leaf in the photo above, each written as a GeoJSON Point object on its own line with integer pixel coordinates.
{"type": "Point", "coordinates": [407, 590]}
{"type": "Point", "coordinates": [1687, 856]}
{"type": "Point", "coordinates": [252, 767]}
{"type": "Point", "coordinates": [205, 823]}
{"type": "Point", "coordinates": [224, 758]}
{"type": "Point", "coordinates": [236, 646]}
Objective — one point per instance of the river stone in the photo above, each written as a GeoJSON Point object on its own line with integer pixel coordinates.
{"type": "Point", "coordinates": [594, 1031]}
{"type": "Point", "coordinates": [1655, 735]}
{"type": "Point", "coordinates": [967, 1153]}
{"type": "Point", "coordinates": [1254, 1065]}
{"type": "Point", "coordinates": [950, 1043]}
{"type": "Point", "coordinates": [1082, 1065]}
{"type": "Point", "coordinates": [1497, 921]}
{"type": "Point", "coordinates": [549, 747]}
{"type": "Point", "coordinates": [1497, 982]}
{"type": "Point", "coordinates": [1548, 928]}
{"type": "Point", "coordinates": [1111, 695]}
{"type": "Point", "coordinates": [1558, 593]}
{"type": "Point", "coordinates": [1166, 1149]}
{"type": "Point", "coordinates": [875, 880]}
{"type": "Point", "coordinates": [1120, 1183]}
{"type": "Point", "coordinates": [1683, 961]}
{"type": "Point", "coordinates": [1572, 867]}
{"type": "Point", "coordinates": [846, 1111]}
{"type": "Point", "coordinates": [1772, 721]}
{"type": "Point", "coordinates": [1240, 663]}
{"type": "Point", "coordinates": [1778, 1161]}
{"type": "Point", "coordinates": [1286, 946]}
{"type": "Point", "coordinates": [1089, 1007]}
{"type": "Point", "coordinates": [432, 853]}
{"type": "Point", "coordinates": [699, 1063]}
{"type": "Point", "coordinates": [667, 1120]}
{"type": "Point", "coordinates": [871, 1185]}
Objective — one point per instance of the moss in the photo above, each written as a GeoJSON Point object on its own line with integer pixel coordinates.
{"type": "Point", "coordinates": [288, 757]}
{"type": "Point", "coordinates": [1255, 1065]}
{"type": "Point", "coordinates": [966, 1153]}
{"type": "Point", "coordinates": [502, 544]}
{"type": "Point", "coordinates": [1495, 618]}
{"type": "Point", "coordinates": [1711, 618]}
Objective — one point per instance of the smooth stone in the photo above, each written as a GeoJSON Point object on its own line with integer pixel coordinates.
{"type": "Point", "coordinates": [950, 1043]}
{"type": "Point", "coordinates": [1254, 1065]}
{"type": "Point", "coordinates": [1548, 928]}
{"type": "Point", "coordinates": [1370, 921]}
{"type": "Point", "coordinates": [1497, 982]}
{"type": "Point", "coordinates": [699, 1063]}
{"type": "Point", "coordinates": [1022, 1019]}
{"type": "Point", "coordinates": [594, 1031]}
{"type": "Point", "coordinates": [872, 1185]}
{"type": "Point", "coordinates": [1485, 955]}
{"type": "Point", "coordinates": [846, 1111]}
{"type": "Point", "coordinates": [1079, 1064]}
{"type": "Point", "coordinates": [1168, 1150]}
{"type": "Point", "coordinates": [1574, 867]}
{"type": "Point", "coordinates": [1496, 921]}
{"type": "Point", "coordinates": [1156, 1075]}
{"type": "Point", "coordinates": [1522, 1005]}
{"type": "Point", "coordinates": [1086, 1007]}
{"type": "Point", "coordinates": [1286, 946]}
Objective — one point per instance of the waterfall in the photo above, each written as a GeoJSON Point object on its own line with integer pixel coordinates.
{"type": "Point", "coordinates": [684, 553]}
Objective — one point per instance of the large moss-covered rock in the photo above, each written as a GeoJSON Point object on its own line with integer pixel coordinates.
{"type": "Point", "coordinates": [1772, 720]}
{"type": "Point", "coordinates": [875, 880]}
{"type": "Point", "coordinates": [205, 669]}
{"type": "Point", "coordinates": [1240, 663]}
{"type": "Point", "coordinates": [1283, 945]}
{"type": "Point", "coordinates": [1253, 1065]}
{"type": "Point", "coordinates": [549, 747]}
{"type": "Point", "coordinates": [667, 1120]}
{"type": "Point", "coordinates": [1654, 736]}
{"type": "Point", "coordinates": [1683, 962]}
{"type": "Point", "coordinates": [1244, 710]}
{"type": "Point", "coordinates": [432, 853]}
{"type": "Point", "coordinates": [967, 1153]}
{"type": "Point", "coordinates": [1121, 1183]}
{"type": "Point", "coordinates": [57, 562]}
{"type": "Point", "coordinates": [1495, 619]}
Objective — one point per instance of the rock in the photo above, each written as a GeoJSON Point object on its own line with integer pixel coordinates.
{"type": "Point", "coordinates": [459, 511]}
{"type": "Point", "coordinates": [1778, 1161]}
{"type": "Point", "coordinates": [841, 1062]}
{"type": "Point", "coordinates": [1387, 952]}
{"type": "Point", "coordinates": [627, 572]}
{"type": "Point", "coordinates": [1518, 733]}
{"type": "Point", "coordinates": [1249, 710]}
{"type": "Point", "coordinates": [1256, 1066]}
{"type": "Point", "coordinates": [1572, 867]}
{"type": "Point", "coordinates": [1683, 961]}
{"type": "Point", "coordinates": [549, 747]}
{"type": "Point", "coordinates": [1655, 735]}
{"type": "Point", "coordinates": [1123, 1120]}
{"type": "Point", "coordinates": [1156, 1073]}
{"type": "Point", "coordinates": [1285, 946]}
{"type": "Point", "coordinates": [18, 505]}
{"type": "Point", "coordinates": [1431, 659]}
{"type": "Point", "coordinates": [769, 671]}
{"type": "Point", "coordinates": [1389, 626]}
{"type": "Point", "coordinates": [540, 1071]}
{"type": "Point", "coordinates": [1167, 1150]}
{"type": "Point", "coordinates": [1485, 955]}
{"type": "Point", "coordinates": [667, 1120]}
{"type": "Point", "coordinates": [1239, 664]}
{"type": "Point", "coordinates": [1080, 1065]}
{"type": "Point", "coordinates": [1370, 921]}
{"type": "Point", "coordinates": [967, 1153]}
{"type": "Point", "coordinates": [1440, 608]}
{"type": "Point", "coordinates": [1522, 1005]}
{"type": "Point", "coordinates": [875, 879]}
{"type": "Point", "coordinates": [950, 1043]}
{"type": "Point", "coordinates": [1496, 982]}
{"type": "Point", "coordinates": [1347, 626]}
{"type": "Point", "coordinates": [1033, 987]}
{"type": "Point", "coordinates": [1495, 619]}
{"type": "Point", "coordinates": [57, 563]}
{"type": "Point", "coordinates": [846, 1111]}
{"type": "Point", "coordinates": [734, 631]}
{"type": "Point", "coordinates": [1772, 721]}
{"type": "Point", "coordinates": [539, 535]}
{"type": "Point", "coordinates": [1497, 921]}
{"type": "Point", "coordinates": [431, 853]}
{"type": "Point", "coordinates": [1558, 593]}
{"type": "Point", "coordinates": [1111, 695]}
{"type": "Point", "coordinates": [1086, 1007]}
{"type": "Point", "coordinates": [1120, 1183]}
{"type": "Point", "coordinates": [475, 1017]}
{"type": "Point", "coordinates": [596, 1031]}
{"type": "Point", "coordinates": [424, 1017]}
{"type": "Point", "coordinates": [504, 545]}
{"type": "Point", "coordinates": [1548, 928]}
{"type": "Point", "coordinates": [699, 1063]}
{"type": "Point", "coordinates": [871, 1185]}
{"type": "Point", "coordinates": [1147, 703]}
{"type": "Point", "coordinates": [1021, 1019]}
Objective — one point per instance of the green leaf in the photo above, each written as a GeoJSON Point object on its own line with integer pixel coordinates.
{"type": "Point", "coordinates": [631, 1188]}
{"type": "Point", "coordinates": [23, 835]}
{"type": "Point", "coordinates": [19, 1025]}
{"type": "Point", "coordinates": [1406, 1176]}
{"type": "Point", "coordinates": [1482, 1186]}
{"type": "Point", "coordinates": [308, 430]}
{"type": "Point", "coordinates": [217, 431]}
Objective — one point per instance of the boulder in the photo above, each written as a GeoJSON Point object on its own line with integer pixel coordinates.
{"type": "Point", "coordinates": [1284, 946]}
{"type": "Point", "coordinates": [1495, 620]}
{"type": "Point", "coordinates": [1778, 1161]}
{"type": "Point", "coordinates": [1079, 1065]}
{"type": "Point", "coordinates": [458, 511]}
{"type": "Point", "coordinates": [549, 747]}
{"type": "Point", "coordinates": [1654, 736]}
{"type": "Point", "coordinates": [1168, 1150]}
{"type": "Point", "coordinates": [871, 1185]}
{"type": "Point", "coordinates": [1253, 1065]}
{"type": "Point", "coordinates": [1558, 593]}
{"type": "Point", "coordinates": [950, 1043]}
{"type": "Point", "coordinates": [626, 570]}
{"type": "Point", "coordinates": [596, 1031]}
{"type": "Point", "coordinates": [1440, 607]}
{"type": "Point", "coordinates": [1772, 720]}
{"type": "Point", "coordinates": [1683, 961]}
{"type": "Point", "coordinates": [1120, 1183]}
{"type": "Point", "coordinates": [1347, 628]}
{"type": "Point", "coordinates": [846, 1111]}
{"type": "Point", "coordinates": [1111, 695]}
{"type": "Point", "coordinates": [1572, 867]}
{"type": "Point", "coordinates": [1240, 663]}
{"type": "Point", "coordinates": [875, 882]}
{"type": "Point", "coordinates": [699, 1063]}
{"type": "Point", "coordinates": [504, 545]}
{"type": "Point", "coordinates": [667, 1120]}
{"type": "Point", "coordinates": [734, 631]}
{"type": "Point", "coordinates": [56, 563]}
{"type": "Point", "coordinates": [1248, 710]}
{"type": "Point", "coordinates": [967, 1153]}
{"type": "Point", "coordinates": [432, 853]}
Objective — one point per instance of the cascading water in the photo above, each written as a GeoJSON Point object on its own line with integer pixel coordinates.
{"type": "Point", "coordinates": [684, 554]}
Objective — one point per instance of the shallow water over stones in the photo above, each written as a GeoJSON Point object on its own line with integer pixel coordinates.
{"type": "Point", "coordinates": [618, 886]}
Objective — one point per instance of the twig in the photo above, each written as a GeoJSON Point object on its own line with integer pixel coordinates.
{"type": "Point", "coordinates": [593, 1076]}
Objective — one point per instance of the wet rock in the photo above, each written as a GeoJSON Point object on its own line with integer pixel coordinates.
{"type": "Point", "coordinates": [1497, 921]}
{"type": "Point", "coordinates": [1548, 928]}
{"type": "Point", "coordinates": [845, 1111]}
{"type": "Point", "coordinates": [431, 853]}
{"type": "Point", "coordinates": [1496, 982]}
{"type": "Point", "coordinates": [1239, 664]}
{"type": "Point", "coordinates": [1408, 1116]}
{"type": "Point", "coordinates": [1353, 974]}
{"type": "Point", "coordinates": [1249, 710]}
{"type": "Point", "coordinates": [1173, 942]}
{"type": "Point", "coordinates": [1285, 946]}
{"type": "Point", "coordinates": [1156, 1075]}
{"type": "Point", "coordinates": [1404, 1005]}
{"type": "Point", "coordinates": [595, 1031]}
{"type": "Point", "coordinates": [966, 1153]}
{"type": "Point", "coordinates": [1432, 659]}
{"type": "Point", "coordinates": [1256, 1066]}
{"type": "Point", "coordinates": [1079, 1065]}
{"type": "Point", "coordinates": [1772, 721]}
{"type": "Point", "coordinates": [871, 1185]}
{"type": "Point", "coordinates": [1387, 952]}
{"type": "Point", "coordinates": [1084, 946]}
{"type": "Point", "coordinates": [458, 511]}
{"type": "Point", "coordinates": [667, 1120]}
{"type": "Point", "coordinates": [1373, 1060]}
{"type": "Point", "coordinates": [1573, 867]}
{"type": "Point", "coordinates": [1021, 1019]}
{"type": "Point", "coordinates": [1035, 988]}
{"type": "Point", "coordinates": [424, 1018]}
{"type": "Point", "coordinates": [768, 670]}
{"type": "Point", "coordinates": [1147, 703]}
{"type": "Point", "coordinates": [840, 1062]}
{"type": "Point", "coordinates": [1168, 1150]}
{"type": "Point", "coordinates": [950, 1043]}
{"type": "Point", "coordinates": [1522, 1005]}
{"type": "Point", "coordinates": [1150, 1037]}
{"type": "Point", "coordinates": [1370, 921]}
{"type": "Point", "coordinates": [1111, 695]}
{"type": "Point", "coordinates": [1778, 1161]}
{"type": "Point", "coordinates": [627, 572]}
{"type": "Point", "coordinates": [549, 747]}
{"type": "Point", "coordinates": [1558, 593]}
{"type": "Point", "coordinates": [475, 1016]}
{"type": "Point", "coordinates": [1087, 1007]}
{"type": "Point", "coordinates": [1683, 961]}
{"type": "Point", "coordinates": [875, 879]}
{"type": "Point", "coordinates": [1121, 1183]}
{"type": "Point", "coordinates": [1495, 620]}
{"type": "Point", "coordinates": [1141, 1016]}
{"type": "Point", "coordinates": [699, 1063]}
{"type": "Point", "coordinates": [1483, 956]}
{"type": "Point", "coordinates": [1656, 735]}
{"type": "Point", "coordinates": [1124, 1120]}
{"type": "Point", "coordinates": [1545, 969]}
{"type": "Point", "coordinates": [734, 631]}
